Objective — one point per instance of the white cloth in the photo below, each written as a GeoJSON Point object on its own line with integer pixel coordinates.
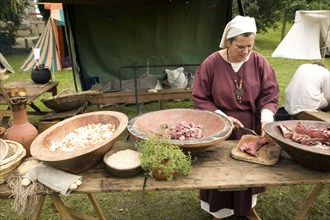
{"type": "Point", "coordinates": [55, 179]}
{"type": "Point", "coordinates": [266, 116]}
{"type": "Point", "coordinates": [218, 111]}
{"type": "Point", "coordinates": [306, 89]}
{"type": "Point", "coordinates": [239, 25]}
{"type": "Point", "coordinates": [177, 78]}
{"type": "Point", "coordinates": [224, 213]}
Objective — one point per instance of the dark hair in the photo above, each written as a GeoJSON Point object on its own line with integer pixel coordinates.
{"type": "Point", "coordinates": [246, 34]}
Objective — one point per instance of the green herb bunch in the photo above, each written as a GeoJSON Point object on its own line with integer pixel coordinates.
{"type": "Point", "coordinates": [167, 158]}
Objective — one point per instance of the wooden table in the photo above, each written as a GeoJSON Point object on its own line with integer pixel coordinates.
{"type": "Point", "coordinates": [310, 115]}
{"type": "Point", "coordinates": [33, 91]}
{"type": "Point", "coordinates": [214, 169]}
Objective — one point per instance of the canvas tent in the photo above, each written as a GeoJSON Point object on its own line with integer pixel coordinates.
{"type": "Point", "coordinates": [4, 65]}
{"type": "Point", "coordinates": [105, 36]}
{"type": "Point", "coordinates": [48, 43]}
{"type": "Point", "coordinates": [309, 37]}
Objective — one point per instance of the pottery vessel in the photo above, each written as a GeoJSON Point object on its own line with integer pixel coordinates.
{"type": "Point", "coordinates": [159, 173]}
{"type": "Point", "coordinates": [22, 131]}
{"type": "Point", "coordinates": [146, 125]}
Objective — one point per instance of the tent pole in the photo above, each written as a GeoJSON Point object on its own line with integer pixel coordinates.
{"type": "Point", "coordinates": [240, 7]}
{"type": "Point", "coordinates": [324, 51]}
{"type": "Point", "coordinates": [71, 44]}
{"type": "Point", "coordinates": [136, 89]}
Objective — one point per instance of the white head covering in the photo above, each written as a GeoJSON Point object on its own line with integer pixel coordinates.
{"type": "Point", "coordinates": [237, 26]}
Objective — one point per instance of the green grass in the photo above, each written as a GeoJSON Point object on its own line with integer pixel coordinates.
{"type": "Point", "coordinates": [277, 203]}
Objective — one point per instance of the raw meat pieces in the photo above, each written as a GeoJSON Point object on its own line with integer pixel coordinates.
{"type": "Point", "coordinates": [183, 131]}
{"type": "Point", "coordinates": [307, 136]}
{"type": "Point", "coordinates": [253, 147]}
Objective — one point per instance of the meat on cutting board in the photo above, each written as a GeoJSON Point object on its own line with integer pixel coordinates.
{"type": "Point", "coordinates": [253, 147]}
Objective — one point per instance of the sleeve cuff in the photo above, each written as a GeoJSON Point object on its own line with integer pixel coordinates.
{"type": "Point", "coordinates": [266, 116]}
{"type": "Point", "coordinates": [220, 112]}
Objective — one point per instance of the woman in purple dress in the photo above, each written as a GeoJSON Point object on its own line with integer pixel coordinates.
{"type": "Point", "coordinates": [240, 84]}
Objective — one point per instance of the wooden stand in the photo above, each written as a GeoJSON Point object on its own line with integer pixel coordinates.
{"type": "Point", "coordinates": [66, 212]}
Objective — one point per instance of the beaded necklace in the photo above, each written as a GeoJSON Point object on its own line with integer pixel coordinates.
{"type": "Point", "coordinates": [239, 92]}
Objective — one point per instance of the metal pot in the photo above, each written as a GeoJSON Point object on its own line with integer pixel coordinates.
{"type": "Point", "coordinates": [41, 74]}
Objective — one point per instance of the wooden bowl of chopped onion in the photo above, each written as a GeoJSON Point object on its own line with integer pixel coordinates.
{"type": "Point", "coordinates": [306, 141]}
{"type": "Point", "coordinates": [191, 129]}
{"type": "Point", "coordinates": [77, 144]}
{"type": "Point", "coordinates": [123, 163]}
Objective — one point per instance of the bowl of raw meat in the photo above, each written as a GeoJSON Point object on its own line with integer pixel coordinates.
{"type": "Point", "coordinates": [191, 129]}
{"type": "Point", "coordinates": [79, 143]}
{"type": "Point", "coordinates": [307, 142]}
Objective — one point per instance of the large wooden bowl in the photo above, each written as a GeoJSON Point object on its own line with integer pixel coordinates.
{"type": "Point", "coordinates": [81, 160]}
{"type": "Point", "coordinates": [216, 128]}
{"type": "Point", "coordinates": [314, 157]}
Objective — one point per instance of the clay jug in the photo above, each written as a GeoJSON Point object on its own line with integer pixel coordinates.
{"type": "Point", "coordinates": [22, 131]}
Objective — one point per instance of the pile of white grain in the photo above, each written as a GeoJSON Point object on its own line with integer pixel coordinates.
{"type": "Point", "coordinates": [83, 137]}
{"type": "Point", "coordinates": [124, 159]}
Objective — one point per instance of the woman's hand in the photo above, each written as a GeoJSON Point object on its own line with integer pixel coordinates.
{"type": "Point", "coordinates": [235, 122]}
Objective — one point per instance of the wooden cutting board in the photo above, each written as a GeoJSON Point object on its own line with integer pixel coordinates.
{"type": "Point", "coordinates": [267, 154]}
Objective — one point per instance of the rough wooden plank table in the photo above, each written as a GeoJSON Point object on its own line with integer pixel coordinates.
{"type": "Point", "coordinates": [33, 91]}
{"type": "Point", "coordinates": [317, 116]}
{"type": "Point", "coordinates": [213, 169]}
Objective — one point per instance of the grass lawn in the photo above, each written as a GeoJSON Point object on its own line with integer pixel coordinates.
{"type": "Point", "coordinates": [281, 202]}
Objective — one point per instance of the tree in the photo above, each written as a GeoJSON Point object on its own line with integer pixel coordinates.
{"type": "Point", "coordinates": [11, 14]}
{"type": "Point", "coordinates": [271, 13]}
{"type": "Point", "coordinates": [290, 8]}
{"type": "Point", "coordinates": [266, 13]}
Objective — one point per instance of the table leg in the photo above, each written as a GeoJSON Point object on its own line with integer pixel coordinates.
{"type": "Point", "coordinates": [38, 208]}
{"type": "Point", "coordinates": [79, 215]}
{"type": "Point", "coordinates": [54, 91]}
{"type": "Point", "coordinates": [96, 206]}
{"type": "Point", "coordinates": [310, 200]}
{"type": "Point", "coordinates": [69, 213]}
{"type": "Point", "coordinates": [60, 207]}
{"type": "Point", "coordinates": [5, 117]}
{"type": "Point", "coordinates": [36, 108]}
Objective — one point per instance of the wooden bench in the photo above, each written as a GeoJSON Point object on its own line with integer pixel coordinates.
{"type": "Point", "coordinates": [142, 96]}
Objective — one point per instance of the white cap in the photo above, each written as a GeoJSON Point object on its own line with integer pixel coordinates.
{"type": "Point", "coordinates": [237, 26]}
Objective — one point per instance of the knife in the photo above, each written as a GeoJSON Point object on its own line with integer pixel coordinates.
{"type": "Point", "coordinates": [247, 131]}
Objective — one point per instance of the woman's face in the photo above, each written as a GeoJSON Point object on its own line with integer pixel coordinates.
{"type": "Point", "coordinates": [240, 47]}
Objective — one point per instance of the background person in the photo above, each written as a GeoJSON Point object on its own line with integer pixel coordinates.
{"type": "Point", "coordinates": [308, 89]}
{"type": "Point", "coordinates": [239, 83]}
